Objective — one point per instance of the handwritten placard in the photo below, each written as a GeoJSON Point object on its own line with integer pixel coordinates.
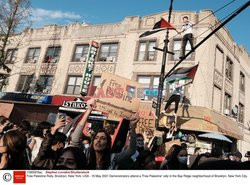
{"type": "Point", "coordinates": [117, 95]}
{"type": "Point", "coordinates": [146, 125]}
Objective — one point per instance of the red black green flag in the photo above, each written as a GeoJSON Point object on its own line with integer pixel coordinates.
{"type": "Point", "coordinates": [159, 26]}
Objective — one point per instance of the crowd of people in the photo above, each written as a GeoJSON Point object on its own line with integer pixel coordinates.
{"type": "Point", "coordinates": [46, 147]}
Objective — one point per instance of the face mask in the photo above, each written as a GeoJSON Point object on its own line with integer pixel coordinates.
{"type": "Point", "coordinates": [86, 146]}
{"type": "Point", "coordinates": [182, 160]}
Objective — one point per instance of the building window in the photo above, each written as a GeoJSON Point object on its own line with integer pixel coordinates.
{"type": "Point", "coordinates": [4, 81]}
{"type": "Point", "coordinates": [44, 84]}
{"type": "Point", "coordinates": [229, 69]}
{"type": "Point", "coordinates": [32, 55]}
{"type": "Point", "coordinates": [73, 85]}
{"type": "Point", "coordinates": [11, 56]}
{"type": "Point", "coordinates": [242, 82]}
{"type": "Point", "coordinates": [96, 80]}
{"type": "Point", "coordinates": [217, 99]}
{"type": "Point", "coordinates": [241, 113]}
{"type": "Point", "coordinates": [146, 52]}
{"type": "Point", "coordinates": [24, 83]}
{"type": "Point", "coordinates": [177, 49]}
{"type": "Point", "coordinates": [108, 52]}
{"type": "Point", "coordinates": [150, 86]}
{"type": "Point", "coordinates": [219, 58]}
{"type": "Point", "coordinates": [52, 54]}
{"type": "Point", "coordinates": [81, 53]}
{"type": "Point", "coordinates": [227, 104]}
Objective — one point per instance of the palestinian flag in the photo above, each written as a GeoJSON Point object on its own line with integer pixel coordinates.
{"type": "Point", "coordinates": [159, 26]}
{"type": "Point", "coordinates": [182, 73]}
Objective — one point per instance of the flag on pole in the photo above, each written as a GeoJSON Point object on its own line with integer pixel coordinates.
{"type": "Point", "coordinates": [159, 26]}
{"type": "Point", "coordinates": [182, 73]}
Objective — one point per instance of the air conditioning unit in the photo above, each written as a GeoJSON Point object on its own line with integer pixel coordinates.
{"type": "Point", "coordinates": [226, 112]}
{"type": "Point", "coordinates": [151, 57]}
{"type": "Point", "coordinates": [111, 59]}
{"type": "Point", "coordinates": [82, 59]}
{"type": "Point", "coordinates": [54, 60]}
{"type": "Point", "coordinates": [32, 61]}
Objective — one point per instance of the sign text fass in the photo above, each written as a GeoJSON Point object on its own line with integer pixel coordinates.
{"type": "Point", "coordinates": [88, 72]}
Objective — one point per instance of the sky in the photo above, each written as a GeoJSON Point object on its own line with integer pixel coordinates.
{"type": "Point", "coordinates": [62, 12]}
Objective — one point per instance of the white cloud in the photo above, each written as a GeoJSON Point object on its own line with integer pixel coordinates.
{"type": "Point", "coordinates": [39, 14]}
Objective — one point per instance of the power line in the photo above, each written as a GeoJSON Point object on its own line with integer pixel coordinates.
{"type": "Point", "coordinates": [231, 16]}
{"type": "Point", "coordinates": [213, 12]}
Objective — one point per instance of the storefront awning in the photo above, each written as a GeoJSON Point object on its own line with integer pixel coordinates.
{"type": "Point", "coordinates": [205, 120]}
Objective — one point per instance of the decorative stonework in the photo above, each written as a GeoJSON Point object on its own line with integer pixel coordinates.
{"type": "Point", "coordinates": [100, 68]}
{"type": "Point", "coordinates": [77, 69]}
{"type": "Point", "coordinates": [218, 79]}
{"type": "Point", "coordinates": [229, 86]}
{"type": "Point", "coordinates": [48, 69]}
{"type": "Point", "coordinates": [28, 69]}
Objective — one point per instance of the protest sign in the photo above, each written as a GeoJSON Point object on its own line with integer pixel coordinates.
{"type": "Point", "coordinates": [146, 125]}
{"type": "Point", "coordinates": [117, 95]}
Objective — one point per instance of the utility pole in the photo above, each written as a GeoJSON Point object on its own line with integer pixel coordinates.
{"type": "Point", "coordinates": [239, 10]}
{"type": "Point", "coordinates": [161, 83]}
{"type": "Point", "coordinates": [165, 51]}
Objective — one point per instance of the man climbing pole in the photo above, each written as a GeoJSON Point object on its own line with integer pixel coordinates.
{"type": "Point", "coordinates": [175, 96]}
{"type": "Point", "coordinates": [187, 28]}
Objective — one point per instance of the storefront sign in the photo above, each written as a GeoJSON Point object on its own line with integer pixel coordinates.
{"type": "Point", "coordinates": [34, 98]}
{"type": "Point", "coordinates": [76, 104]}
{"type": "Point", "coordinates": [89, 67]}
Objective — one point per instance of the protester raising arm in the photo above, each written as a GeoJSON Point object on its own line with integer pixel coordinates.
{"type": "Point", "coordinates": [53, 142]}
{"type": "Point", "coordinates": [75, 137]}
{"type": "Point", "coordinates": [134, 119]}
